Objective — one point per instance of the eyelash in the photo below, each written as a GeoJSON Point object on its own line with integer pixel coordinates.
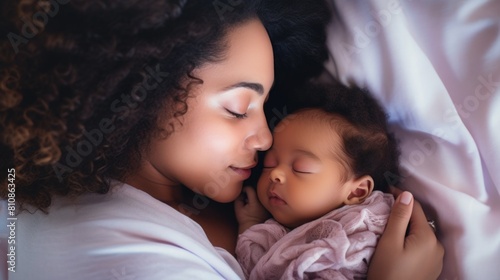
{"type": "Point", "coordinates": [236, 115]}
{"type": "Point", "coordinates": [301, 172]}
{"type": "Point", "coordinates": [293, 169]}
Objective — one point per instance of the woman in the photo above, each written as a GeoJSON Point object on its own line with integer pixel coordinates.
{"type": "Point", "coordinates": [128, 122]}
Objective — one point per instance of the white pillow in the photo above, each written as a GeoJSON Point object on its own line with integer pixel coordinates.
{"type": "Point", "coordinates": [435, 66]}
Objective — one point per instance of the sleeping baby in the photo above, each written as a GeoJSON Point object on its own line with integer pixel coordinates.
{"type": "Point", "coordinates": [325, 182]}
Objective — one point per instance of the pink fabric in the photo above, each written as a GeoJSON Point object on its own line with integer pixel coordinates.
{"type": "Point", "coordinates": [338, 245]}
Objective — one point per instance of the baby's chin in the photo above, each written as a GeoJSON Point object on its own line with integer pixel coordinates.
{"type": "Point", "coordinates": [288, 222]}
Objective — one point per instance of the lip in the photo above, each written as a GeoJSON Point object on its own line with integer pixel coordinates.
{"type": "Point", "coordinates": [243, 172]}
{"type": "Point", "coordinates": [250, 166]}
{"type": "Point", "coordinates": [275, 199]}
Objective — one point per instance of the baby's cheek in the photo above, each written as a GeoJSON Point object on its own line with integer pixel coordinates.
{"type": "Point", "coordinates": [302, 202]}
{"type": "Point", "coordinates": [263, 179]}
{"type": "Point", "coordinates": [262, 196]}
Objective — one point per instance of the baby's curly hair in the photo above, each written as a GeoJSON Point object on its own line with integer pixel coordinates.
{"type": "Point", "coordinates": [84, 85]}
{"type": "Point", "coordinates": [368, 147]}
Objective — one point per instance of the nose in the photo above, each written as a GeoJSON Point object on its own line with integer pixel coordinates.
{"type": "Point", "coordinates": [261, 139]}
{"type": "Point", "coordinates": [277, 176]}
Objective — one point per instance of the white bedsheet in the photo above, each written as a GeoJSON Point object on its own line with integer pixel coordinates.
{"type": "Point", "coordinates": [435, 66]}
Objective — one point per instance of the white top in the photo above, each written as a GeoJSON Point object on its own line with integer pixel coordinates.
{"type": "Point", "coordinates": [125, 234]}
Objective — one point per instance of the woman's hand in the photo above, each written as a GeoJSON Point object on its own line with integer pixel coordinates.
{"type": "Point", "coordinates": [248, 209]}
{"type": "Point", "coordinates": [419, 255]}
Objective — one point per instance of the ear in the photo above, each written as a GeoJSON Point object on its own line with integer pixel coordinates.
{"type": "Point", "coordinates": [360, 189]}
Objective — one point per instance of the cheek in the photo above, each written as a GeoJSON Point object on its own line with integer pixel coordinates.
{"type": "Point", "coordinates": [263, 178]}
{"type": "Point", "coordinates": [214, 133]}
{"type": "Point", "coordinates": [306, 196]}
{"type": "Point", "coordinates": [208, 145]}
{"type": "Point", "coordinates": [262, 188]}
{"type": "Point", "coordinates": [214, 148]}
{"type": "Point", "coordinates": [299, 196]}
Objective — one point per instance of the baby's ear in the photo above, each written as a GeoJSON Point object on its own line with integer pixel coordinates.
{"type": "Point", "coordinates": [360, 189]}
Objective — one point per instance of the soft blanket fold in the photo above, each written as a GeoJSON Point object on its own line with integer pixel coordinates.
{"type": "Point", "coordinates": [338, 245]}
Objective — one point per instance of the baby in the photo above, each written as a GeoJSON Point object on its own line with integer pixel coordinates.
{"type": "Point", "coordinates": [323, 182]}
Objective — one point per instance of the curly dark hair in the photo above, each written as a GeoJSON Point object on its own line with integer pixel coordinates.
{"type": "Point", "coordinates": [84, 85]}
{"type": "Point", "coordinates": [369, 148]}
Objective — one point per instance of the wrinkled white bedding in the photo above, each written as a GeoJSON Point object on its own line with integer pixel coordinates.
{"type": "Point", "coordinates": [435, 66]}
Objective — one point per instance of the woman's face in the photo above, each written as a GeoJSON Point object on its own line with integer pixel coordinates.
{"type": "Point", "coordinates": [214, 149]}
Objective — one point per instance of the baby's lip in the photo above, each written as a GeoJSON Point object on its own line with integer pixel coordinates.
{"type": "Point", "coordinates": [272, 194]}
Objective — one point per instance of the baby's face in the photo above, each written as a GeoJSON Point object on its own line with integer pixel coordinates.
{"type": "Point", "coordinates": [302, 177]}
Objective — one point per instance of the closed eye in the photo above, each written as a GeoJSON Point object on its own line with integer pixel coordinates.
{"type": "Point", "coordinates": [302, 172]}
{"type": "Point", "coordinates": [236, 115]}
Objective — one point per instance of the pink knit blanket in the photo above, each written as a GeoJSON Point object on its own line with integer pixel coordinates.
{"type": "Point", "coordinates": [338, 245]}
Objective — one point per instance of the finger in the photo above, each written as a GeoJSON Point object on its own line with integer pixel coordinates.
{"type": "Point", "coordinates": [423, 236]}
{"type": "Point", "coordinates": [238, 203]}
{"type": "Point", "coordinates": [251, 194]}
{"type": "Point", "coordinates": [395, 191]}
{"type": "Point", "coordinates": [247, 189]}
{"type": "Point", "coordinates": [399, 219]}
{"type": "Point", "coordinates": [418, 221]}
{"type": "Point", "coordinates": [240, 200]}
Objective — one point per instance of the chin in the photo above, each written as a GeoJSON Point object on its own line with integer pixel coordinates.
{"type": "Point", "coordinates": [228, 194]}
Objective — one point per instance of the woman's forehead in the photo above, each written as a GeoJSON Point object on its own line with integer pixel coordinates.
{"type": "Point", "coordinates": [247, 60]}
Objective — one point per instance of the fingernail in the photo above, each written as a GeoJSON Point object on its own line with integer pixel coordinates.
{"type": "Point", "coordinates": [405, 198]}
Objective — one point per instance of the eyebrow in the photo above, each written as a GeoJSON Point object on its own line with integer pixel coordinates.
{"type": "Point", "coordinates": [253, 86]}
